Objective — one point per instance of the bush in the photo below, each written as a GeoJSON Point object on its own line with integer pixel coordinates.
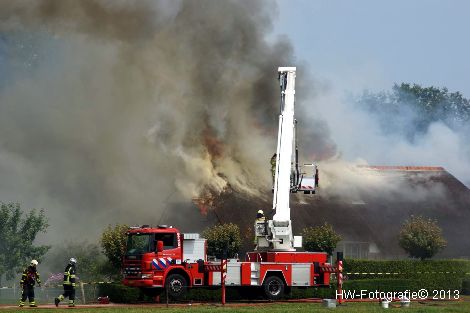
{"type": "Point", "coordinates": [405, 274]}
{"type": "Point", "coordinates": [119, 293]}
{"type": "Point", "coordinates": [421, 238]}
{"type": "Point", "coordinates": [466, 287]}
{"type": "Point", "coordinates": [303, 293]}
{"type": "Point", "coordinates": [221, 238]}
{"type": "Point", "coordinates": [385, 284]}
{"type": "Point", "coordinates": [405, 268]}
{"type": "Point", "coordinates": [320, 238]}
{"type": "Point", "coordinates": [113, 242]}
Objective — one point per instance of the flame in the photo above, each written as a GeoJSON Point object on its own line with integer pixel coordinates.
{"type": "Point", "coordinates": [210, 199]}
{"type": "Point", "coordinates": [205, 201]}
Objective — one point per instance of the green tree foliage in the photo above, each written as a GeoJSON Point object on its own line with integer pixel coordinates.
{"type": "Point", "coordinates": [18, 230]}
{"type": "Point", "coordinates": [320, 238]}
{"type": "Point", "coordinates": [421, 237]}
{"type": "Point", "coordinates": [223, 237]}
{"type": "Point", "coordinates": [436, 103]}
{"type": "Point", "coordinates": [90, 260]}
{"type": "Point", "coordinates": [411, 108]}
{"type": "Point", "coordinates": [113, 244]}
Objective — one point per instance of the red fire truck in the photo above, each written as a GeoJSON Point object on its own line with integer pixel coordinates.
{"type": "Point", "coordinates": [160, 257]}
{"type": "Point", "coordinates": [163, 257]}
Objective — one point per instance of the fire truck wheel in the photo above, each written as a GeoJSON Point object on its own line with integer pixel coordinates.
{"type": "Point", "coordinates": [177, 286]}
{"type": "Point", "coordinates": [273, 287]}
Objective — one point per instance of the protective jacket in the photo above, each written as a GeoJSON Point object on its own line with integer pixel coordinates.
{"type": "Point", "coordinates": [260, 219]}
{"type": "Point", "coordinates": [69, 275]}
{"type": "Point", "coordinates": [273, 165]}
{"type": "Point", "coordinates": [30, 276]}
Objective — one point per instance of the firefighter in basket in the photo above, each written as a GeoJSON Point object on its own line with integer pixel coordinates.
{"type": "Point", "coordinates": [260, 226]}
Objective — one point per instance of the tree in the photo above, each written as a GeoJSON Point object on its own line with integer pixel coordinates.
{"type": "Point", "coordinates": [421, 237]}
{"type": "Point", "coordinates": [113, 244]}
{"type": "Point", "coordinates": [320, 238]}
{"type": "Point", "coordinates": [17, 234]}
{"type": "Point", "coordinates": [90, 260]}
{"type": "Point", "coordinates": [411, 108]}
{"type": "Point", "coordinates": [221, 238]}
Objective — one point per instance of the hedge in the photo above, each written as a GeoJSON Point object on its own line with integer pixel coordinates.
{"type": "Point", "coordinates": [406, 268]}
{"type": "Point", "coordinates": [399, 285]}
{"type": "Point", "coordinates": [119, 293]}
{"type": "Point", "coordinates": [406, 274]}
{"type": "Point", "coordinates": [412, 275]}
{"type": "Point", "coordinates": [466, 287]}
{"type": "Point", "coordinates": [122, 294]}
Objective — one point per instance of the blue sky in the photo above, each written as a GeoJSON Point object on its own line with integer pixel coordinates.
{"type": "Point", "coordinates": [372, 44]}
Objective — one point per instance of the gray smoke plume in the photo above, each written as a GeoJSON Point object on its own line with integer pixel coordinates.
{"type": "Point", "coordinates": [113, 109]}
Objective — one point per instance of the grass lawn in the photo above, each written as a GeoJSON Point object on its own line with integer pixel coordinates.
{"type": "Point", "coordinates": [271, 308]}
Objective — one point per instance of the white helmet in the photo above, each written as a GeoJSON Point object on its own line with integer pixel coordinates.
{"type": "Point", "coordinates": [73, 260]}
{"type": "Point", "coordinates": [34, 262]}
{"type": "Point", "coordinates": [260, 212]}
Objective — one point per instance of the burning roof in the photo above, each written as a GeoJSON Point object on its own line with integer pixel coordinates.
{"type": "Point", "coordinates": [372, 213]}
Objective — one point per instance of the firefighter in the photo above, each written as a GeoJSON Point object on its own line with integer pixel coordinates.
{"type": "Point", "coordinates": [273, 165]}
{"type": "Point", "coordinates": [260, 219]}
{"type": "Point", "coordinates": [28, 279]}
{"type": "Point", "coordinates": [69, 284]}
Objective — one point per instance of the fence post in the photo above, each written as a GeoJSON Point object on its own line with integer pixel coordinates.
{"type": "Point", "coordinates": [83, 292]}
{"type": "Point", "coordinates": [339, 275]}
{"type": "Point", "coordinates": [223, 275]}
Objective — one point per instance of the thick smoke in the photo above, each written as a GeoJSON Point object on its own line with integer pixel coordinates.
{"type": "Point", "coordinates": [129, 106]}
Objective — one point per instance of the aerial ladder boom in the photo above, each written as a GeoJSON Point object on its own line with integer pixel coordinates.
{"type": "Point", "coordinates": [282, 177]}
{"type": "Point", "coordinates": [276, 233]}
{"type": "Point", "coordinates": [280, 227]}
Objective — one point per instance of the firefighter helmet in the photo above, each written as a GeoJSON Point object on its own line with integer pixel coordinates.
{"type": "Point", "coordinates": [73, 260]}
{"type": "Point", "coordinates": [34, 262]}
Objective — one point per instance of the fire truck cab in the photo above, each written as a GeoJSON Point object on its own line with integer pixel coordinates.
{"type": "Point", "coordinates": [155, 256]}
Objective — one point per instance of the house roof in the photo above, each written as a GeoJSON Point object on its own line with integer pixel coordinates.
{"type": "Point", "coordinates": [372, 213]}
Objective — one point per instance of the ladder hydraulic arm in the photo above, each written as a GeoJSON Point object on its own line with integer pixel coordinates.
{"type": "Point", "coordinates": [276, 233]}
